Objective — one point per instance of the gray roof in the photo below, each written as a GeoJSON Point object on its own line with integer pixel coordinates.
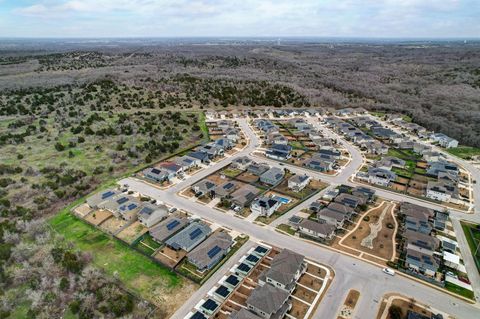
{"type": "Point", "coordinates": [350, 200]}
{"type": "Point", "coordinates": [205, 185]}
{"type": "Point", "coordinates": [421, 240]}
{"type": "Point", "coordinates": [243, 160]}
{"type": "Point", "coordinates": [320, 228]}
{"type": "Point", "coordinates": [340, 208]}
{"type": "Point", "coordinates": [168, 227]}
{"type": "Point", "coordinates": [416, 211]}
{"type": "Point", "coordinates": [226, 188]}
{"type": "Point", "coordinates": [200, 255]}
{"type": "Point", "coordinates": [258, 168]}
{"type": "Point", "coordinates": [100, 197]}
{"type": "Point", "coordinates": [189, 237]}
{"type": "Point", "coordinates": [151, 210]}
{"type": "Point", "coordinates": [268, 298]}
{"type": "Point", "coordinates": [245, 194]}
{"type": "Point", "coordinates": [327, 212]}
{"type": "Point", "coordinates": [284, 266]}
{"type": "Point", "coordinates": [298, 178]}
{"type": "Point", "coordinates": [244, 314]}
{"type": "Point", "coordinates": [273, 174]}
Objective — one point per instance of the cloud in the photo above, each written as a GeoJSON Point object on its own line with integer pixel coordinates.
{"type": "Point", "coordinates": [368, 18]}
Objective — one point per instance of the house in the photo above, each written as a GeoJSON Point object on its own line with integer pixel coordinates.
{"type": "Point", "coordinates": [388, 162]}
{"type": "Point", "coordinates": [241, 163]}
{"type": "Point", "coordinates": [224, 124]}
{"type": "Point", "coordinates": [200, 155]}
{"type": "Point", "coordinates": [204, 187]}
{"type": "Point", "coordinates": [172, 168]}
{"type": "Point", "coordinates": [244, 195]}
{"type": "Point", "coordinates": [380, 176]}
{"type": "Point", "coordinates": [279, 152]}
{"type": "Point", "coordinates": [231, 134]}
{"type": "Point", "coordinates": [298, 182]}
{"type": "Point", "coordinates": [158, 175]}
{"type": "Point", "coordinates": [330, 194]}
{"type": "Point", "coordinates": [319, 165]}
{"type": "Point", "coordinates": [276, 138]}
{"type": "Point", "coordinates": [206, 255]}
{"type": "Point", "coordinates": [224, 144]}
{"type": "Point", "coordinates": [264, 206]}
{"type": "Point", "coordinates": [168, 227]}
{"type": "Point", "coordinates": [268, 302]}
{"type": "Point", "coordinates": [285, 269]}
{"type": "Point", "coordinates": [225, 189]}
{"type": "Point", "coordinates": [331, 217]}
{"type": "Point", "coordinates": [122, 206]}
{"type": "Point", "coordinates": [243, 314]}
{"type": "Point", "coordinates": [151, 214]}
{"type": "Point", "coordinates": [420, 262]}
{"type": "Point", "coordinates": [317, 230]}
{"type": "Point", "coordinates": [365, 192]}
{"type": "Point", "coordinates": [434, 168]}
{"type": "Point", "coordinates": [331, 153]}
{"type": "Point", "coordinates": [212, 150]}
{"type": "Point", "coordinates": [190, 237]}
{"type": "Point", "coordinates": [434, 156]}
{"type": "Point", "coordinates": [421, 242]}
{"type": "Point", "coordinates": [444, 140]}
{"type": "Point", "coordinates": [209, 307]}
{"type": "Point", "coordinates": [258, 169]}
{"type": "Point", "coordinates": [96, 199]}
{"type": "Point", "coordinates": [341, 208]}
{"type": "Point", "coordinates": [417, 211]}
{"type": "Point", "coordinates": [273, 176]}
{"type": "Point", "coordinates": [350, 200]}
{"type": "Point", "coordinates": [418, 224]}
{"type": "Point", "coordinates": [187, 162]}
{"type": "Point", "coordinates": [451, 260]}
{"type": "Point", "coordinates": [442, 191]}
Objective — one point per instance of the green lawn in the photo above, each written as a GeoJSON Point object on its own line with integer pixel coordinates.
{"type": "Point", "coordinates": [464, 152]}
{"type": "Point", "coordinates": [473, 240]}
{"type": "Point", "coordinates": [135, 270]}
{"type": "Point", "coordinates": [231, 172]}
{"type": "Point", "coordinates": [286, 228]}
{"type": "Point", "coordinates": [459, 290]}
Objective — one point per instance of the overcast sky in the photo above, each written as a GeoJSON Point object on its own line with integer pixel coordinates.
{"type": "Point", "coordinates": [193, 18]}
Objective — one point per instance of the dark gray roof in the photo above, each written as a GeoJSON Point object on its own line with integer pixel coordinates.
{"type": "Point", "coordinates": [284, 266]}
{"type": "Point", "coordinates": [191, 236]}
{"type": "Point", "coordinates": [244, 314]}
{"type": "Point", "coordinates": [206, 252]}
{"type": "Point", "coordinates": [168, 227]}
{"type": "Point", "coordinates": [268, 298]}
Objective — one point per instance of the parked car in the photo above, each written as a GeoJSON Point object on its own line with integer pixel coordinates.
{"type": "Point", "coordinates": [389, 271]}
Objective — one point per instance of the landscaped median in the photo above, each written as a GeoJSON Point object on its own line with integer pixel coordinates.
{"type": "Point", "coordinates": [137, 272]}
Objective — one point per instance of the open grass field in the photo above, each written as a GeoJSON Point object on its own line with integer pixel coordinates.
{"type": "Point", "coordinates": [465, 152]}
{"type": "Point", "coordinates": [137, 272]}
{"type": "Point", "coordinates": [472, 233]}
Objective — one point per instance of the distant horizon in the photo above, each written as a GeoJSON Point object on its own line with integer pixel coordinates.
{"type": "Point", "coordinates": [371, 19]}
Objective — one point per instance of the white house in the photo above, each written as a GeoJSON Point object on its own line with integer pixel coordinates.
{"type": "Point", "coordinates": [298, 182]}
{"type": "Point", "coordinates": [264, 206]}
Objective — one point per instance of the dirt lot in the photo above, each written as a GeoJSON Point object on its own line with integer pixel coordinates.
{"type": "Point", "coordinates": [132, 232]}
{"type": "Point", "coordinates": [315, 270]}
{"type": "Point", "coordinates": [169, 256]}
{"type": "Point", "coordinates": [247, 177]}
{"type": "Point", "coordinates": [382, 244]}
{"type": "Point", "coordinates": [299, 309]}
{"type": "Point", "coordinates": [304, 294]}
{"type": "Point", "coordinates": [405, 306]}
{"type": "Point", "coordinates": [217, 178]}
{"type": "Point", "coordinates": [113, 224]}
{"type": "Point", "coordinates": [311, 282]}
{"type": "Point", "coordinates": [82, 210]}
{"type": "Point", "coordinates": [399, 187]}
{"type": "Point", "coordinates": [98, 216]}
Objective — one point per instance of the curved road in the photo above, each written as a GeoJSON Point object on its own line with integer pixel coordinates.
{"type": "Point", "coordinates": [349, 272]}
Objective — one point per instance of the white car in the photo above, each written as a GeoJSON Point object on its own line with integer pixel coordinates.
{"type": "Point", "coordinates": [389, 271]}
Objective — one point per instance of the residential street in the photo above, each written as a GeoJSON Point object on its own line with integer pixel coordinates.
{"type": "Point", "coordinates": [349, 272]}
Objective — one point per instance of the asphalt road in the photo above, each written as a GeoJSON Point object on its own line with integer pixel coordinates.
{"type": "Point", "coordinates": [350, 272]}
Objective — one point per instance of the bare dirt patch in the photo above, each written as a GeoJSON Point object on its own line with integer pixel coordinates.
{"type": "Point", "coordinates": [382, 243]}
{"type": "Point", "coordinates": [132, 232]}
{"type": "Point", "coordinates": [112, 225]}
{"type": "Point", "coordinates": [98, 216]}
{"type": "Point", "coordinates": [169, 257]}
